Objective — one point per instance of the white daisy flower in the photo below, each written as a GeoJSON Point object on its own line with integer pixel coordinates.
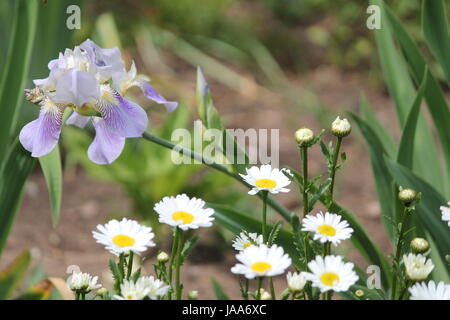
{"type": "Point", "coordinates": [417, 267]}
{"type": "Point", "coordinates": [446, 213]}
{"type": "Point", "coordinates": [430, 291]}
{"type": "Point", "coordinates": [245, 240]}
{"type": "Point", "coordinates": [129, 290]}
{"type": "Point", "coordinates": [155, 287]}
{"type": "Point", "coordinates": [80, 281]}
{"type": "Point", "coordinates": [331, 273]}
{"type": "Point", "coordinates": [184, 212]}
{"type": "Point", "coordinates": [259, 261]}
{"type": "Point", "coordinates": [296, 281]}
{"type": "Point", "coordinates": [328, 227]}
{"type": "Point", "coordinates": [265, 178]}
{"type": "Point", "coordinates": [124, 236]}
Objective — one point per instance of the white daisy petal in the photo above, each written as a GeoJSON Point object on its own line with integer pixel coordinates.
{"type": "Point", "coordinates": [430, 291]}
{"type": "Point", "coordinates": [124, 236]}
{"type": "Point", "coordinates": [417, 267]}
{"type": "Point", "coordinates": [260, 261]}
{"type": "Point", "coordinates": [331, 273]}
{"type": "Point", "coordinates": [327, 227]}
{"type": "Point", "coordinates": [244, 240]}
{"type": "Point", "coordinates": [446, 213]}
{"type": "Point", "coordinates": [183, 212]}
{"type": "Point", "coordinates": [266, 178]}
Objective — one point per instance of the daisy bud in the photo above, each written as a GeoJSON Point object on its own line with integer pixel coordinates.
{"type": "Point", "coordinates": [407, 196]}
{"type": "Point", "coordinates": [341, 127]}
{"type": "Point", "coordinates": [296, 281]}
{"type": "Point", "coordinates": [265, 295]}
{"type": "Point", "coordinates": [102, 292]}
{"type": "Point", "coordinates": [193, 295]}
{"type": "Point", "coordinates": [304, 136]}
{"type": "Point", "coordinates": [359, 293]}
{"type": "Point", "coordinates": [419, 245]}
{"type": "Point", "coordinates": [162, 257]}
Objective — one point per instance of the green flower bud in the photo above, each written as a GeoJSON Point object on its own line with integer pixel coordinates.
{"type": "Point", "coordinates": [162, 257]}
{"type": "Point", "coordinates": [304, 136]}
{"type": "Point", "coordinates": [193, 295]}
{"type": "Point", "coordinates": [407, 196]}
{"type": "Point", "coordinates": [341, 127]}
{"type": "Point", "coordinates": [419, 245]}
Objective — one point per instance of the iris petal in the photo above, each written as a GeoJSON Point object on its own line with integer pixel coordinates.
{"type": "Point", "coordinates": [107, 146]}
{"type": "Point", "coordinates": [78, 120]}
{"type": "Point", "coordinates": [41, 135]}
{"type": "Point", "coordinates": [151, 94]}
{"type": "Point", "coordinates": [123, 117]}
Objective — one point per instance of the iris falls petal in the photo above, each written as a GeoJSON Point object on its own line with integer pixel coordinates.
{"type": "Point", "coordinates": [151, 94]}
{"type": "Point", "coordinates": [123, 117]}
{"type": "Point", "coordinates": [107, 146]}
{"type": "Point", "coordinates": [41, 135]}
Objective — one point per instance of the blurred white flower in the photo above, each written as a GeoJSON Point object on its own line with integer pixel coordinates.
{"type": "Point", "coordinates": [296, 281]}
{"type": "Point", "coordinates": [446, 213]}
{"type": "Point", "coordinates": [245, 240]}
{"type": "Point", "coordinates": [430, 291]}
{"type": "Point", "coordinates": [417, 267]}
{"type": "Point", "coordinates": [80, 281]}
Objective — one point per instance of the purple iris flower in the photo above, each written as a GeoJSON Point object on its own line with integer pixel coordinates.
{"type": "Point", "coordinates": [92, 81]}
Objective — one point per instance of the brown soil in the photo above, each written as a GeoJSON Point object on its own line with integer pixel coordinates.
{"type": "Point", "coordinates": [87, 202]}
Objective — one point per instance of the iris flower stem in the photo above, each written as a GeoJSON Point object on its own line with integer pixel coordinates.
{"type": "Point", "coordinates": [178, 263]}
{"type": "Point", "coordinates": [398, 250]}
{"type": "Point", "coordinates": [130, 265]}
{"type": "Point", "coordinates": [333, 166]}
{"type": "Point", "coordinates": [210, 163]}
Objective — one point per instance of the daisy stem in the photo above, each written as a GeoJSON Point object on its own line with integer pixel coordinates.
{"type": "Point", "coordinates": [77, 295]}
{"type": "Point", "coordinates": [264, 216]}
{"type": "Point", "coordinates": [246, 284]}
{"type": "Point", "coordinates": [173, 253]}
{"type": "Point", "coordinates": [122, 264]}
{"type": "Point", "coordinates": [210, 163]}
{"type": "Point", "coordinates": [333, 166]}
{"type": "Point", "coordinates": [304, 152]}
{"type": "Point", "coordinates": [259, 287]}
{"type": "Point", "coordinates": [178, 264]}
{"type": "Point", "coordinates": [130, 265]}
{"type": "Point", "coordinates": [398, 250]}
{"type": "Point", "coordinates": [272, 289]}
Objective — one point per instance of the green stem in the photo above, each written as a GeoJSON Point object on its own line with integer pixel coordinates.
{"type": "Point", "coordinates": [259, 287]}
{"type": "Point", "coordinates": [398, 251]}
{"type": "Point", "coordinates": [272, 289]}
{"type": "Point", "coordinates": [122, 265]}
{"type": "Point", "coordinates": [178, 264]}
{"type": "Point", "coordinates": [173, 253]}
{"type": "Point", "coordinates": [210, 163]}
{"type": "Point", "coordinates": [246, 284]}
{"type": "Point", "coordinates": [264, 216]}
{"type": "Point", "coordinates": [77, 295]}
{"type": "Point", "coordinates": [130, 265]}
{"type": "Point", "coordinates": [304, 152]}
{"type": "Point", "coordinates": [333, 166]}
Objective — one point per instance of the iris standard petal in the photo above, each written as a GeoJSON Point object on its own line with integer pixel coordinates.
{"type": "Point", "coordinates": [106, 146]}
{"type": "Point", "coordinates": [151, 94]}
{"type": "Point", "coordinates": [40, 136]}
{"type": "Point", "coordinates": [78, 120]}
{"type": "Point", "coordinates": [77, 87]}
{"type": "Point", "coordinates": [123, 117]}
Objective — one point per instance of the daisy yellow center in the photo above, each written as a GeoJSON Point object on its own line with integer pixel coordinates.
{"type": "Point", "coordinates": [266, 183]}
{"type": "Point", "coordinates": [246, 245]}
{"type": "Point", "coordinates": [329, 278]}
{"type": "Point", "coordinates": [122, 240]}
{"type": "Point", "coordinates": [185, 217]}
{"type": "Point", "coordinates": [327, 230]}
{"type": "Point", "coordinates": [261, 267]}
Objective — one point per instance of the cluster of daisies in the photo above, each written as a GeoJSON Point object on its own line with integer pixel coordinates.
{"type": "Point", "coordinates": [127, 238]}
